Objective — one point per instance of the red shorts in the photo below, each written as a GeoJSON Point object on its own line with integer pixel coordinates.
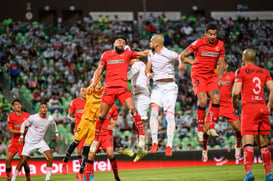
{"type": "Point", "coordinates": [229, 113]}
{"type": "Point", "coordinates": [15, 147]}
{"type": "Point", "coordinates": [255, 120]}
{"type": "Point", "coordinates": [204, 83]}
{"type": "Point", "coordinates": [109, 95]}
{"type": "Point", "coordinates": [105, 141]}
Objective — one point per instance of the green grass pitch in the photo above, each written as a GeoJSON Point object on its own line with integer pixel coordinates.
{"type": "Point", "coordinates": [202, 173]}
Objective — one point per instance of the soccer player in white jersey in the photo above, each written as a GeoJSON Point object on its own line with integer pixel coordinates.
{"type": "Point", "coordinates": [164, 91]}
{"type": "Point", "coordinates": [140, 83]}
{"type": "Point", "coordinates": [37, 126]}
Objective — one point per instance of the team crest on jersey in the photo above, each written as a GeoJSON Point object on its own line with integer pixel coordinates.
{"type": "Point", "coordinates": [217, 48]}
{"type": "Point", "coordinates": [228, 77]}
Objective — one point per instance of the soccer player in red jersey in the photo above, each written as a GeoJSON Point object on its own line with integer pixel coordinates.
{"type": "Point", "coordinates": [106, 143]}
{"type": "Point", "coordinates": [116, 62]}
{"type": "Point", "coordinates": [250, 82]}
{"type": "Point", "coordinates": [208, 51]}
{"type": "Point", "coordinates": [226, 111]}
{"type": "Point", "coordinates": [15, 120]}
{"type": "Point", "coordinates": [75, 114]}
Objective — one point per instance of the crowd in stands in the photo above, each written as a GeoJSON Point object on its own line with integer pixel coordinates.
{"type": "Point", "coordinates": [53, 62]}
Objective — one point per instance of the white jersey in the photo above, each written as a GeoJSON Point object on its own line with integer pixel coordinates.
{"type": "Point", "coordinates": [139, 80]}
{"type": "Point", "coordinates": [37, 127]}
{"type": "Point", "coordinates": [163, 63]}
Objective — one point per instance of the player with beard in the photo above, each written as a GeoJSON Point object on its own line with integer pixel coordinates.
{"type": "Point", "coordinates": [116, 63]}
{"type": "Point", "coordinates": [208, 51]}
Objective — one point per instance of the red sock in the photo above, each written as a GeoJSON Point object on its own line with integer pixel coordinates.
{"type": "Point", "coordinates": [238, 139]}
{"type": "Point", "coordinates": [201, 113]}
{"type": "Point", "coordinates": [89, 168]}
{"type": "Point", "coordinates": [266, 155]}
{"type": "Point", "coordinates": [214, 114]}
{"type": "Point", "coordinates": [248, 158]}
{"type": "Point", "coordinates": [80, 160]}
{"type": "Point", "coordinates": [114, 167]}
{"type": "Point", "coordinates": [205, 141]}
{"type": "Point", "coordinates": [99, 124]}
{"type": "Point", "coordinates": [8, 174]}
{"type": "Point", "coordinates": [138, 122]}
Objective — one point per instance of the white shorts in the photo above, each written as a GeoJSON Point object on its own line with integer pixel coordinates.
{"type": "Point", "coordinates": [164, 94]}
{"type": "Point", "coordinates": [142, 102]}
{"type": "Point", "coordinates": [29, 147]}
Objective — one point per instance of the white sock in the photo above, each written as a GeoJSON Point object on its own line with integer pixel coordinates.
{"type": "Point", "coordinates": [170, 128]}
{"type": "Point", "coordinates": [154, 125]}
{"type": "Point", "coordinates": [16, 173]}
{"type": "Point", "coordinates": [48, 173]}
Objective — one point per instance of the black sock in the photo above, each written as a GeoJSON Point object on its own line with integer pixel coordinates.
{"type": "Point", "coordinates": [84, 157]}
{"type": "Point", "coordinates": [70, 150]}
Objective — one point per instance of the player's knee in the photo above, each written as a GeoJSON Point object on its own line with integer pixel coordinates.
{"type": "Point", "coordinates": [110, 155]}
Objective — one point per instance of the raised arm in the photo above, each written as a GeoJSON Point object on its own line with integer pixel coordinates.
{"type": "Point", "coordinates": [96, 77]}
{"type": "Point", "coordinates": [235, 93]}
{"type": "Point", "coordinates": [142, 54]}
{"type": "Point", "coordinates": [56, 130]}
{"type": "Point", "coordinates": [184, 57]}
{"type": "Point", "coordinates": [221, 69]}
{"type": "Point", "coordinates": [269, 85]}
{"type": "Point", "coordinates": [134, 70]}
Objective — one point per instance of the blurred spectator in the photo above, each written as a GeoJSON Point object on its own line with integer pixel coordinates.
{"type": "Point", "coordinates": [54, 104]}
{"type": "Point", "coordinates": [32, 83]}
{"type": "Point", "coordinates": [14, 72]}
{"type": "Point", "coordinates": [36, 97]}
{"type": "Point", "coordinates": [4, 105]}
{"type": "Point", "coordinates": [15, 91]}
{"type": "Point", "coordinates": [2, 148]}
{"type": "Point", "coordinates": [58, 117]}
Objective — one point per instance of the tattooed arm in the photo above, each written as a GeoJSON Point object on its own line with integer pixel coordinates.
{"type": "Point", "coordinates": [184, 59]}
{"type": "Point", "coordinates": [221, 69]}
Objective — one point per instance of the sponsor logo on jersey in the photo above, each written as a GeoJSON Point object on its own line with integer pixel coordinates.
{"type": "Point", "coordinates": [210, 54]}
{"type": "Point", "coordinates": [217, 48]}
{"type": "Point", "coordinates": [17, 125]}
{"type": "Point", "coordinates": [79, 111]}
{"type": "Point", "coordinates": [115, 61]}
{"type": "Point", "coordinates": [226, 83]}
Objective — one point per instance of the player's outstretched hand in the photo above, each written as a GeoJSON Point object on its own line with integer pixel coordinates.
{"type": "Point", "coordinates": [59, 137]}
{"type": "Point", "coordinates": [182, 67]}
{"type": "Point", "coordinates": [21, 140]}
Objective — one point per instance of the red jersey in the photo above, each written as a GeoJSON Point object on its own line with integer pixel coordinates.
{"type": "Point", "coordinates": [15, 121]}
{"type": "Point", "coordinates": [76, 107]}
{"type": "Point", "coordinates": [226, 88]}
{"type": "Point", "coordinates": [206, 55]}
{"type": "Point", "coordinates": [253, 79]}
{"type": "Point", "coordinates": [116, 67]}
{"type": "Point", "coordinates": [112, 114]}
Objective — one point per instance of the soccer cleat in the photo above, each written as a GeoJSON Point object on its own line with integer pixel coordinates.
{"type": "Point", "coordinates": [268, 177]}
{"type": "Point", "coordinates": [154, 148]}
{"type": "Point", "coordinates": [80, 177]}
{"type": "Point", "coordinates": [199, 136]}
{"type": "Point", "coordinates": [88, 177]}
{"type": "Point", "coordinates": [204, 155]}
{"type": "Point", "coordinates": [77, 175]}
{"type": "Point", "coordinates": [13, 178]}
{"type": "Point", "coordinates": [127, 152]}
{"type": "Point", "coordinates": [64, 168]}
{"type": "Point", "coordinates": [140, 155]}
{"type": "Point", "coordinates": [212, 132]}
{"type": "Point", "coordinates": [93, 147]}
{"type": "Point", "coordinates": [117, 179]}
{"type": "Point", "coordinates": [249, 177]}
{"type": "Point", "coordinates": [237, 153]}
{"type": "Point", "coordinates": [168, 151]}
{"type": "Point", "coordinates": [141, 141]}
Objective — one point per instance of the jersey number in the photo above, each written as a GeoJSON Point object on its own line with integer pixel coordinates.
{"type": "Point", "coordinates": [257, 82]}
